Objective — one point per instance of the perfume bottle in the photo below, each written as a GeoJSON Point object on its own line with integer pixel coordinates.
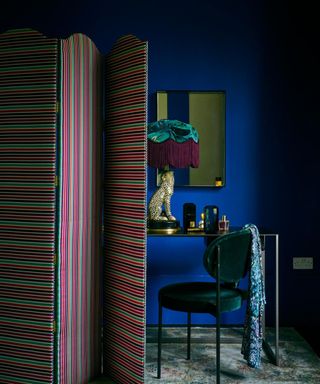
{"type": "Point", "coordinates": [201, 222]}
{"type": "Point", "coordinates": [189, 216]}
{"type": "Point", "coordinates": [223, 224]}
{"type": "Point", "coordinates": [211, 217]}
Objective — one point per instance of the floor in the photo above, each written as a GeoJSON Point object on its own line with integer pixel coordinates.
{"type": "Point", "coordinates": [312, 335]}
{"type": "Point", "coordinates": [299, 363]}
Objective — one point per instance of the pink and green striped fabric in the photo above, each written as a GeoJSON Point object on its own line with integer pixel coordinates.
{"type": "Point", "coordinates": [125, 211]}
{"type": "Point", "coordinates": [28, 94]}
{"type": "Point", "coordinates": [79, 254]}
{"type": "Point", "coordinates": [50, 209]}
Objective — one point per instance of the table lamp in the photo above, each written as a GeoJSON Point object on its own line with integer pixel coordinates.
{"type": "Point", "coordinates": [171, 144]}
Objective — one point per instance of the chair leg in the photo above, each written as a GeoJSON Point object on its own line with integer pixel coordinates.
{"type": "Point", "coordinates": [218, 320]}
{"type": "Point", "coordinates": [189, 337]}
{"type": "Point", "coordinates": [159, 340]}
{"type": "Point", "coordinates": [218, 348]}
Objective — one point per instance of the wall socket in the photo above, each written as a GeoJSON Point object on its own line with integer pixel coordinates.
{"type": "Point", "coordinates": [303, 263]}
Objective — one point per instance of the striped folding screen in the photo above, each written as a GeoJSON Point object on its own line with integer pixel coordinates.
{"type": "Point", "coordinates": [28, 92]}
{"type": "Point", "coordinates": [125, 211]}
{"type": "Point", "coordinates": [50, 209]}
{"type": "Point", "coordinates": [79, 255]}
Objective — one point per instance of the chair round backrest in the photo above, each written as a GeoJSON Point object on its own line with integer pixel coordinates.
{"type": "Point", "coordinates": [235, 249]}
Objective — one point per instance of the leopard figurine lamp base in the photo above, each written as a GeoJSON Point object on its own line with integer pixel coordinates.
{"type": "Point", "coordinates": [159, 208]}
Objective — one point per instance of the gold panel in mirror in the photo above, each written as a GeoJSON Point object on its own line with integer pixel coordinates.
{"type": "Point", "coordinates": [206, 111]}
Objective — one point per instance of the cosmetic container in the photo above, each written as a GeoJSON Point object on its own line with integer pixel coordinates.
{"type": "Point", "coordinates": [223, 224]}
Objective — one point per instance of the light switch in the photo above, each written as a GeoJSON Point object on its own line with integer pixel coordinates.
{"type": "Point", "coordinates": [303, 263]}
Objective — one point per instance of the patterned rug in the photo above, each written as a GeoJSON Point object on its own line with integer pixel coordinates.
{"type": "Point", "coordinates": [298, 362]}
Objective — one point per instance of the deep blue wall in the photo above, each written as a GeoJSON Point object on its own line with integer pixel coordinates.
{"type": "Point", "coordinates": [264, 55]}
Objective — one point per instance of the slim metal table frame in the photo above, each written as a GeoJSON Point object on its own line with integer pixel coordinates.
{"type": "Point", "coordinates": [273, 355]}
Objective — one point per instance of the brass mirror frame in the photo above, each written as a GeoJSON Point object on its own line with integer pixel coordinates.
{"type": "Point", "coordinates": [207, 113]}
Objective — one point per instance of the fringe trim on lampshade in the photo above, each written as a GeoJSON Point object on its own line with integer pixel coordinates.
{"type": "Point", "coordinates": [178, 155]}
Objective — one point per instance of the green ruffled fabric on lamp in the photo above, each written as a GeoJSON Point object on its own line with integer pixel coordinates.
{"type": "Point", "coordinates": [162, 130]}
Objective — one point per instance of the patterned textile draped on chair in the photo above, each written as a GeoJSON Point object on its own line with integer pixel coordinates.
{"type": "Point", "coordinates": [252, 337]}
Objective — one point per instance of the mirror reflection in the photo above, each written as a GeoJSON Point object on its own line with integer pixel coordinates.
{"type": "Point", "coordinates": [206, 111]}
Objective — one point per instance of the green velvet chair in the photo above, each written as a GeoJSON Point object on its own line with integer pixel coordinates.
{"type": "Point", "coordinates": [226, 259]}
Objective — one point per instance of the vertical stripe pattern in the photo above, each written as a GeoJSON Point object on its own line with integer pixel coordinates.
{"type": "Point", "coordinates": [28, 90]}
{"type": "Point", "coordinates": [79, 320]}
{"type": "Point", "coordinates": [124, 211]}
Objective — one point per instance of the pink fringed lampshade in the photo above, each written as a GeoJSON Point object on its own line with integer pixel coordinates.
{"type": "Point", "coordinates": [177, 155]}
{"type": "Point", "coordinates": [172, 143]}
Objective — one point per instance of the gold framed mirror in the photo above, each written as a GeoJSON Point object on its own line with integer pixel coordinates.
{"type": "Point", "coordinates": [206, 111]}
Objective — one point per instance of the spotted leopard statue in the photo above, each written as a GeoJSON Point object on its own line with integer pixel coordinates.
{"type": "Point", "coordinates": [162, 197]}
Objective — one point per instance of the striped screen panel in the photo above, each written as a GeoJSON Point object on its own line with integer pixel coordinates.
{"type": "Point", "coordinates": [28, 92]}
{"type": "Point", "coordinates": [79, 306]}
{"type": "Point", "coordinates": [124, 211]}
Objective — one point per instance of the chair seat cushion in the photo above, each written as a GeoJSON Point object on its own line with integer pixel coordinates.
{"type": "Point", "coordinates": [200, 297]}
